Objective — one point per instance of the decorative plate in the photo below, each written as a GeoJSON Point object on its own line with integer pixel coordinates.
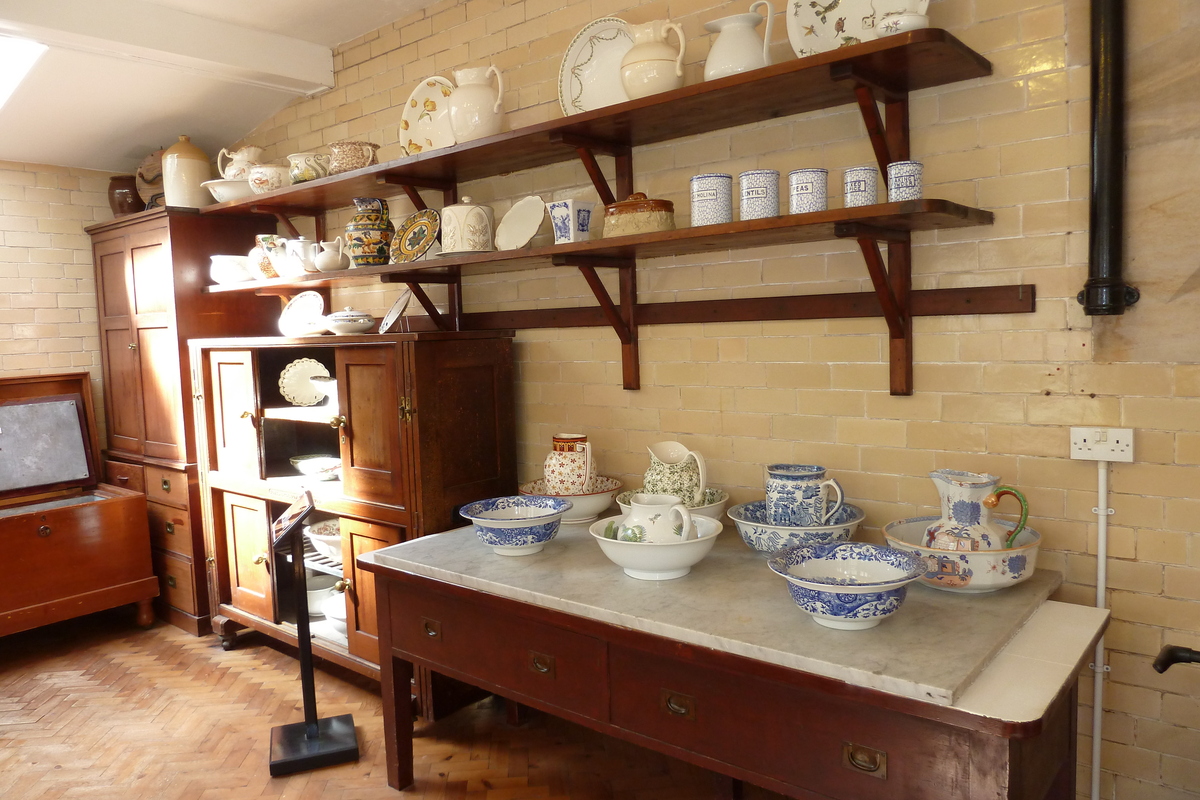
{"type": "Point", "coordinates": [520, 223]}
{"type": "Point", "coordinates": [425, 121]}
{"type": "Point", "coordinates": [149, 180]}
{"type": "Point", "coordinates": [415, 235]}
{"type": "Point", "coordinates": [590, 74]}
{"type": "Point", "coordinates": [815, 26]}
{"type": "Point", "coordinates": [396, 311]}
{"type": "Point", "coordinates": [304, 315]}
{"type": "Point", "coordinates": [294, 383]}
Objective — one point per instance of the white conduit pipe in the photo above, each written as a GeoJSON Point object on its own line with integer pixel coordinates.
{"type": "Point", "coordinates": [1102, 512]}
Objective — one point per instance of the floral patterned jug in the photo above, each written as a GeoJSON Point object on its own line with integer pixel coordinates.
{"type": "Point", "coordinates": [369, 233]}
{"type": "Point", "coordinates": [677, 471]}
{"type": "Point", "coordinates": [569, 468]}
{"type": "Point", "coordinates": [967, 500]}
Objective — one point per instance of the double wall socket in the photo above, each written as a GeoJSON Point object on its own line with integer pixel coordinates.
{"type": "Point", "coordinates": [1102, 444]}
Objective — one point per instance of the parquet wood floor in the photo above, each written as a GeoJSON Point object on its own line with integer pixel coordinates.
{"type": "Point", "coordinates": [96, 709]}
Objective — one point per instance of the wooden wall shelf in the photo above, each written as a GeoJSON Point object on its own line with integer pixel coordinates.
{"type": "Point", "coordinates": [883, 72]}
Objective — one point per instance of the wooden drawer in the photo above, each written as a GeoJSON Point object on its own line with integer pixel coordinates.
{"type": "Point", "coordinates": [175, 581]}
{"type": "Point", "coordinates": [127, 476]}
{"type": "Point", "coordinates": [796, 735]}
{"type": "Point", "coordinates": [557, 666]}
{"type": "Point", "coordinates": [170, 528]}
{"type": "Point", "coordinates": [167, 486]}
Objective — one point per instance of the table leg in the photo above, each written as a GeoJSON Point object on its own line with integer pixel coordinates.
{"type": "Point", "coordinates": [516, 713]}
{"type": "Point", "coordinates": [726, 788]}
{"type": "Point", "coordinates": [395, 690]}
{"type": "Point", "coordinates": [145, 614]}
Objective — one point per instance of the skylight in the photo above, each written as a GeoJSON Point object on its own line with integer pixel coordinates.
{"type": "Point", "coordinates": [17, 57]}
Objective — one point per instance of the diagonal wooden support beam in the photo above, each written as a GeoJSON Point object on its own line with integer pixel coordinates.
{"type": "Point", "coordinates": [438, 318]}
{"type": "Point", "coordinates": [623, 319]}
{"type": "Point", "coordinates": [586, 147]}
{"type": "Point", "coordinates": [875, 129]}
{"type": "Point", "coordinates": [857, 230]}
{"type": "Point", "coordinates": [893, 314]}
{"type": "Point", "coordinates": [611, 312]}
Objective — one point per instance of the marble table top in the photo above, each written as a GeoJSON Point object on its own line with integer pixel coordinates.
{"type": "Point", "coordinates": [932, 649]}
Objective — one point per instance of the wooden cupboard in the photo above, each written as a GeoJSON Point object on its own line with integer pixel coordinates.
{"type": "Point", "coordinates": [422, 423]}
{"type": "Point", "coordinates": [151, 270]}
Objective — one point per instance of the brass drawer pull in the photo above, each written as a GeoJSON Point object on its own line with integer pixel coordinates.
{"type": "Point", "coordinates": [132, 345]}
{"type": "Point", "coordinates": [678, 705]}
{"type": "Point", "coordinates": [122, 479]}
{"type": "Point", "coordinates": [170, 527]}
{"type": "Point", "coordinates": [432, 628]}
{"type": "Point", "coordinates": [171, 581]}
{"type": "Point", "coordinates": [541, 663]}
{"type": "Point", "coordinates": [246, 415]}
{"type": "Point", "coordinates": [866, 760]}
{"type": "Point", "coordinates": [261, 558]}
{"type": "Point", "coordinates": [44, 531]}
{"type": "Point", "coordinates": [166, 484]}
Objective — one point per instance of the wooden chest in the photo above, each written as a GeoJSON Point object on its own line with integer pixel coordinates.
{"type": "Point", "coordinates": [74, 545]}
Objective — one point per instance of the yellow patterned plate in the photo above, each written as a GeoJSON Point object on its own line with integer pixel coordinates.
{"type": "Point", "coordinates": [425, 121]}
{"type": "Point", "coordinates": [415, 235]}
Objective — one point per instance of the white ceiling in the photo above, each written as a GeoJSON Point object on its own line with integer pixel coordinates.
{"type": "Point", "coordinates": [123, 78]}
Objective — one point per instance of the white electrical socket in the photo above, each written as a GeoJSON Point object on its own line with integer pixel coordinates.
{"type": "Point", "coordinates": [1102, 444]}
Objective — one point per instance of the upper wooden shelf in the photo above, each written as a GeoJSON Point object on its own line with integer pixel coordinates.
{"type": "Point", "coordinates": [895, 64]}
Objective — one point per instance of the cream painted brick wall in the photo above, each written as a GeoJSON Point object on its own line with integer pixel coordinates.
{"type": "Point", "coordinates": [993, 393]}
{"type": "Point", "coordinates": [48, 319]}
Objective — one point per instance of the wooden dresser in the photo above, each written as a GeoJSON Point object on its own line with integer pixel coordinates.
{"type": "Point", "coordinates": [151, 268]}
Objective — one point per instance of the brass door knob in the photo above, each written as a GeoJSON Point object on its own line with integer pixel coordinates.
{"type": "Point", "coordinates": [246, 415]}
{"type": "Point", "coordinates": [261, 558]}
{"type": "Point", "coordinates": [342, 585]}
{"type": "Point", "coordinates": [338, 422]}
{"type": "Point", "coordinates": [132, 345]}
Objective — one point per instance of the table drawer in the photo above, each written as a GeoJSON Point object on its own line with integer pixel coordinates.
{"type": "Point", "coordinates": [127, 476]}
{"type": "Point", "coordinates": [167, 486]}
{"type": "Point", "coordinates": [799, 736]}
{"type": "Point", "coordinates": [170, 528]}
{"type": "Point", "coordinates": [555, 665]}
{"type": "Point", "coordinates": [175, 584]}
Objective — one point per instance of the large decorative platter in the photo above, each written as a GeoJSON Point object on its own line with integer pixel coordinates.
{"type": "Point", "coordinates": [815, 27]}
{"type": "Point", "coordinates": [415, 236]}
{"type": "Point", "coordinates": [294, 383]}
{"type": "Point", "coordinates": [425, 121]}
{"type": "Point", "coordinates": [590, 74]}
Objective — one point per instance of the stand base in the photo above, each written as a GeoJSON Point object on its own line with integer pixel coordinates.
{"type": "Point", "coordinates": [292, 752]}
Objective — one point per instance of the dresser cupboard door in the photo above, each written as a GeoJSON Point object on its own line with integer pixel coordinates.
{"type": "Point", "coordinates": [234, 416]}
{"type": "Point", "coordinates": [152, 302]}
{"type": "Point", "coordinates": [248, 537]}
{"type": "Point", "coordinates": [370, 435]}
{"type": "Point", "coordinates": [122, 367]}
{"type": "Point", "coordinates": [362, 629]}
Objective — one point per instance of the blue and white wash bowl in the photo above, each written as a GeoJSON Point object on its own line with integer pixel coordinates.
{"type": "Point", "coordinates": [848, 586]}
{"type": "Point", "coordinates": [516, 526]}
{"type": "Point", "coordinates": [759, 534]}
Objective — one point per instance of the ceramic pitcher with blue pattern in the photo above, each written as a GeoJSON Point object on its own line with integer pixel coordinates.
{"type": "Point", "coordinates": [966, 523]}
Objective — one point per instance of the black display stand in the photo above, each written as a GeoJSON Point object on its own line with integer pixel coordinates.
{"type": "Point", "coordinates": [314, 742]}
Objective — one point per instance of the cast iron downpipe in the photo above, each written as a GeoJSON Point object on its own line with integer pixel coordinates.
{"type": "Point", "coordinates": [1105, 291]}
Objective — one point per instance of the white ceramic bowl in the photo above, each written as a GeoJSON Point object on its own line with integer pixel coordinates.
{"type": "Point", "coordinates": [334, 609]}
{"type": "Point", "coordinates": [967, 572]}
{"type": "Point", "coordinates": [345, 323]}
{"type": "Point", "coordinates": [714, 502]}
{"type": "Point", "coordinates": [327, 468]}
{"type": "Point", "coordinates": [268, 178]}
{"type": "Point", "coordinates": [847, 585]}
{"type": "Point", "coordinates": [516, 526]}
{"type": "Point", "coordinates": [232, 269]}
{"type": "Point", "coordinates": [224, 191]}
{"type": "Point", "coordinates": [656, 561]}
{"type": "Point", "coordinates": [758, 534]}
{"type": "Point", "coordinates": [326, 540]}
{"type": "Point", "coordinates": [584, 507]}
{"type": "Point", "coordinates": [319, 586]}
{"type": "Point", "coordinates": [325, 384]}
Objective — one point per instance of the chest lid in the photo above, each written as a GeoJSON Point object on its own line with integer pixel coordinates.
{"type": "Point", "coordinates": [47, 436]}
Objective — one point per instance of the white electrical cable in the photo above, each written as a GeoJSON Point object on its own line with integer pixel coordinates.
{"type": "Point", "coordinates": [1102, 512]}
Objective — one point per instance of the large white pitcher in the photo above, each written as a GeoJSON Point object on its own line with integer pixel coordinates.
{"type": "Point", "coordinates": [738, 48]}
{"type": "Point", "coordinates": [476, 109]}
{"type": "Point", "coordinates": [677, 471]}
{"type": "Point", "coordinates": [651, 65]}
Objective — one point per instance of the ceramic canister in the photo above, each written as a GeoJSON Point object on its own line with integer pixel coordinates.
{"type": "Point", "coordinates": [861, 187]}
{"type": "Point", "coordinates": [808, 190]}
{"type": "Point", "coordinates": [760, 193]}
{"type": "Point", "coordinates": [904, 180]}
{"type": "Point", "coordinates": [712, 198]}
{"type": "Point", "coordinates": [467, 228]}
{"type": "Point", "coordinates": [799, 495]}
{"type": "Point", "coordinates": [571, 220]}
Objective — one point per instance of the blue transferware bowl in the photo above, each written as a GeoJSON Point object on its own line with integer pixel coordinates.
{"type": "Point", "coordinates": [848, 585]}
{"type": "Point", "coordinates": [761, 535]}
{"type": "Point", "coordinates": [516, 526]}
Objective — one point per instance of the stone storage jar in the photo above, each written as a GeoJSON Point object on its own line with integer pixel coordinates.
{"type": "Point", "coordinates": [184, 169]}
{"type": "Point", "coordinates": [123, 197]}
{"type": "Point", "coordinates": [638, 214]}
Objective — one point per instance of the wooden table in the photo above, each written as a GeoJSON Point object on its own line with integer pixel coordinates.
{"type": "Point", "coordinates": [955, 697]}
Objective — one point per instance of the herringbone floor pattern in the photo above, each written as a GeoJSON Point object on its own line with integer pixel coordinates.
{"type": "Point", "coordinates": [96, 709]}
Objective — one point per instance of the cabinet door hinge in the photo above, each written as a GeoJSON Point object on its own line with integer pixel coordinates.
{"type": "Point", "coordinates": [407, 412]}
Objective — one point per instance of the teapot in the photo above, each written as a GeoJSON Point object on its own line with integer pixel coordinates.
{"type": "Point", "coordinates": [476, 109]}
{"type": "Point", "coordinates": [238, 163]}
{"type": "Point", "coordinates": [651, 65]}
{"type": "Point", "coordinates": [332, 257]}
{"type": "Point", "coordinates": [737, 48]}
{"type": "Point", "coordinates": [966, 524]}
{"type": "Point", "coordinates": [301, 255]}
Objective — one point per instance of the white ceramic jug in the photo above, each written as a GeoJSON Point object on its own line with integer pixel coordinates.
{"type": "Point", "coordinates": [651, 519]}
{"type": "Point", "coordinates": [237, 164]}
{"type": "Point", "coordinates": [738, 48]}
{"type": "Point", "coordinates": [476, 109]}
{"type": "Point", "coordinates": [651, 65]}
{"type": "Point", "coordinates": [332, 257]}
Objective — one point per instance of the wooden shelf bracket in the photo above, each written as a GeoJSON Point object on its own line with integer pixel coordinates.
{"type": "Point", "coordinates": [623, 317]}
{"type": "Point", "coordinates": [449, 189]}
{"type": "Point", "coordinates": [587, 148]}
